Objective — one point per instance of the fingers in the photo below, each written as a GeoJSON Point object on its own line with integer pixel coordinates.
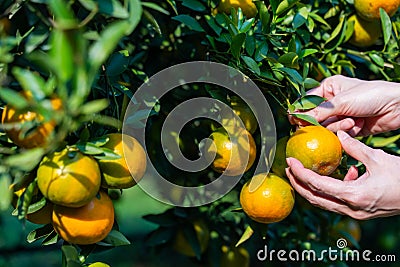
{"type": "Point", "coordinates": [314, 181]}
{"type": "Point", "coordinates": [352, 174]}
{"type": "Point", "coordinates": [355, 148]}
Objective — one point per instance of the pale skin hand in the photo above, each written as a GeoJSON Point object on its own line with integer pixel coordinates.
{"type": "Point", "coordinates": [356, 106]}
{"type": "Point", "coordinates": [373, 194]}
{"type": "Point", "coordinates": [359, 108]}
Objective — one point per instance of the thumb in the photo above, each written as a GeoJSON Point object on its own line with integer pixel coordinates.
{"type": "Point", "coordinates": [355, 148]}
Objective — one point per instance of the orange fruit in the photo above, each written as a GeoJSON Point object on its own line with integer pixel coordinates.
{"type": "Point", "coordinates": [349, 227]}
{"type": "Point", "coordinates": [366, 33]}
{"type": "Point", "coordinates": [69, 178]}
{"type": "Point", "coordinates": [182, 245]}
{"type": "Point", "coordinates": [234, 257]}
{"type": "Point", "coordinates": [316, 147]}
{"type": "Point", "coordinates": [234, 155]}
{"type": "Point", "coordinates": [241, 109]}
{"type": "Point", "coordinates": [248, 8]}
{"type": "Point", "coordinates": [268, 199]}
{"type": "Point", "coordinates": [126, 171]}
{"type": "Point", "coordinates": [279, 164]}
{"type": "Point", "coordinates": [86, 225]}
{"type": "Point", "coordinates": [369, 9]}
{"type": "Point", "coordinates": [99, 264]}
{"type": "Point", "coordinates": [38, 136]}
{"type": "Point", "coordinates": [41, 216]}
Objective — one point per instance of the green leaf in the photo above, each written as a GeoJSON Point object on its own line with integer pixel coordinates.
{"type": "Point", "coordinates": [306, 118]}
{"type": "Point", "coordinates": [293, 74]}
{"type": "Point", "coordinates": [13, 98]}
{"type": "Point", "coordinates": [40, 233]}
{"type": "Point", "coordinates": [377, 60]}
{"type": "Point", "coordinates": [135, 14]}
{"type": "Point", "coordinates": [300, 18]}
{"type": "Point", "coordinates": [194, 5]}
{"type": "Point", "coordinates": [261, 51]}
{"type": "Point", "coordinates": [336, 31]}
{"type": "Point", "coordinates": [70, 256]}
{"type": "Point", "coordinates": [107, 154]}
{"type": "Point", "coordinates": [26, 160]}
{"type": "Point", "coordinates": [103, 47]}
{"type": "Point", "coordinates": [89, 148]}
{"type": "Point", "coordinates": [383, 141]}
{"type": "Point", "coordinates": [246, 236]}
{"type": "Point", "coordinates": [290, 60]}
{"type": "Point", "coordinates": [62, 53]}
{"type": "Point", "coordinates": [115, 239]}
{"type": "Point", "coordinates": [94, 106]}
{"type": "Point", "coordinates": [247, 25]}
{"type": "Point", "coordinates": [306, 52]}
{"type": "Point", "coordinates": [160, 236]}
{"type": "Point", "coordinates": [251, 64]}
{"type": "Point", "coordinates": [190, 22]}
{"type": "Point", "coordinates": [152, 20]}
{"type": "Point", "coordinates": [386, 25]}
{"type": "Point", "coordinates": [310, 83]}
{"type": "Point", "coordinates": [155, 7]}
{"type": "Point", "coordinates": [308, 102]}
{"type": "Point", "coordinates": [112, 8]}
{"type": "Point", "coordinates": [63, 13]}
{"type": "Point", "coordinates": [213, 25]}
{"type": "Point", "coordinates": [30, 82]}
{"type": "Point", "coordinates": [237, 43]}
{"type": "Point", "coordinates": [5, 192]}
{"type": "Point", "coordinates": [284, 6]}
{"type": "Point", "coordinates": [99, 141]}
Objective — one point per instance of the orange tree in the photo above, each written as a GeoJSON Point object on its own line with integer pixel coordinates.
{"type": "Point", "coordinates": [93, 55]}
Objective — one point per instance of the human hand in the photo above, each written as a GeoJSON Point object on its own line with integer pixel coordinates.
{"type": "Point", "coordinates": [356, 106]}
{"type": "Point", "coordinates": [373, 194]}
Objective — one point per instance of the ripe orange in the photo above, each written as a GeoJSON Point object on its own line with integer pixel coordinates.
{"type": "Point", "coordinates": [249, 9]}
{"type": "Point", "coordinates": [241, 109]}
{"type": "Point", "coordinates": [366, 33]}
{"type": "Point", "coordinates": [41, 216]}
{"type": "Point", "coordinates": [234, 155]}
{"type": "Point", "coordinates": [182, 245]}
{"type": "Point", "coordinates": [369, 9]}
{"type": "Point", "coordinates": [99, 264]}
{"type": "Point", "coordinates": [272, 201]}
{"type": "Point", "coordinates": [126, 171]}
{"type": "Point", "coordinates": [316, 147]}
{"type": "Point", "coordinates": [234, 257]}
{"type": "Point", "coordinates": [349, 227]}
{"type": "Point", "coordinates": [69, 178]}
{"type": "Point", "coordinates": [279, 164]}
{"type": "Point", "coordinates": [86, 225]}
{"type": "Point", "coordinates": [38, 136]}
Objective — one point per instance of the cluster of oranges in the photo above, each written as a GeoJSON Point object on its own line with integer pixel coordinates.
{"type": "Point", "coordinates": [73, 184]}
{"type": "Point", "coordinates": [367, 26]}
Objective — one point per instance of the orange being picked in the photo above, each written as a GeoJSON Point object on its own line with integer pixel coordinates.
{"type": "Point", "coordinates": [234, 155]}
{"type": "Point", "coordinates": [182, 245]}
{"type": "Point", "coordinates": [69, 178]}
{"type": "Point", "coordinates": [38, 136]}
{"type": "Point", "coordinates": [267, 198]}
{"type": "Point", "coordinates": [86, 225]}
{"type": "Point", "coordinates": [365, 33]}
{"type": "Point", "coordinates": [126, 171]}
{"type": "Point", "coordinates": [234, 257]}
{"type": "Point", "coordinates": [248, 8]}
{"type": "Point", "coordinates": [369, 9]}
{"type": "Point", "coordinates": [279, 164]}
{"type": "Point", "coordinates": [316, 147]}
{"type": "Point", "coordinates": [40, 216]}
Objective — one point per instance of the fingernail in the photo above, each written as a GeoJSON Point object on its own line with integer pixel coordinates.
{"type": "Point", "coordinates": [288, 161]}
{"type": "Point", "coordinates": [342, 135]}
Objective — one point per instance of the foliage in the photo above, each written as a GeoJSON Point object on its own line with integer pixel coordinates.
{"type": "Point", "coordinates": [94, 55]}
